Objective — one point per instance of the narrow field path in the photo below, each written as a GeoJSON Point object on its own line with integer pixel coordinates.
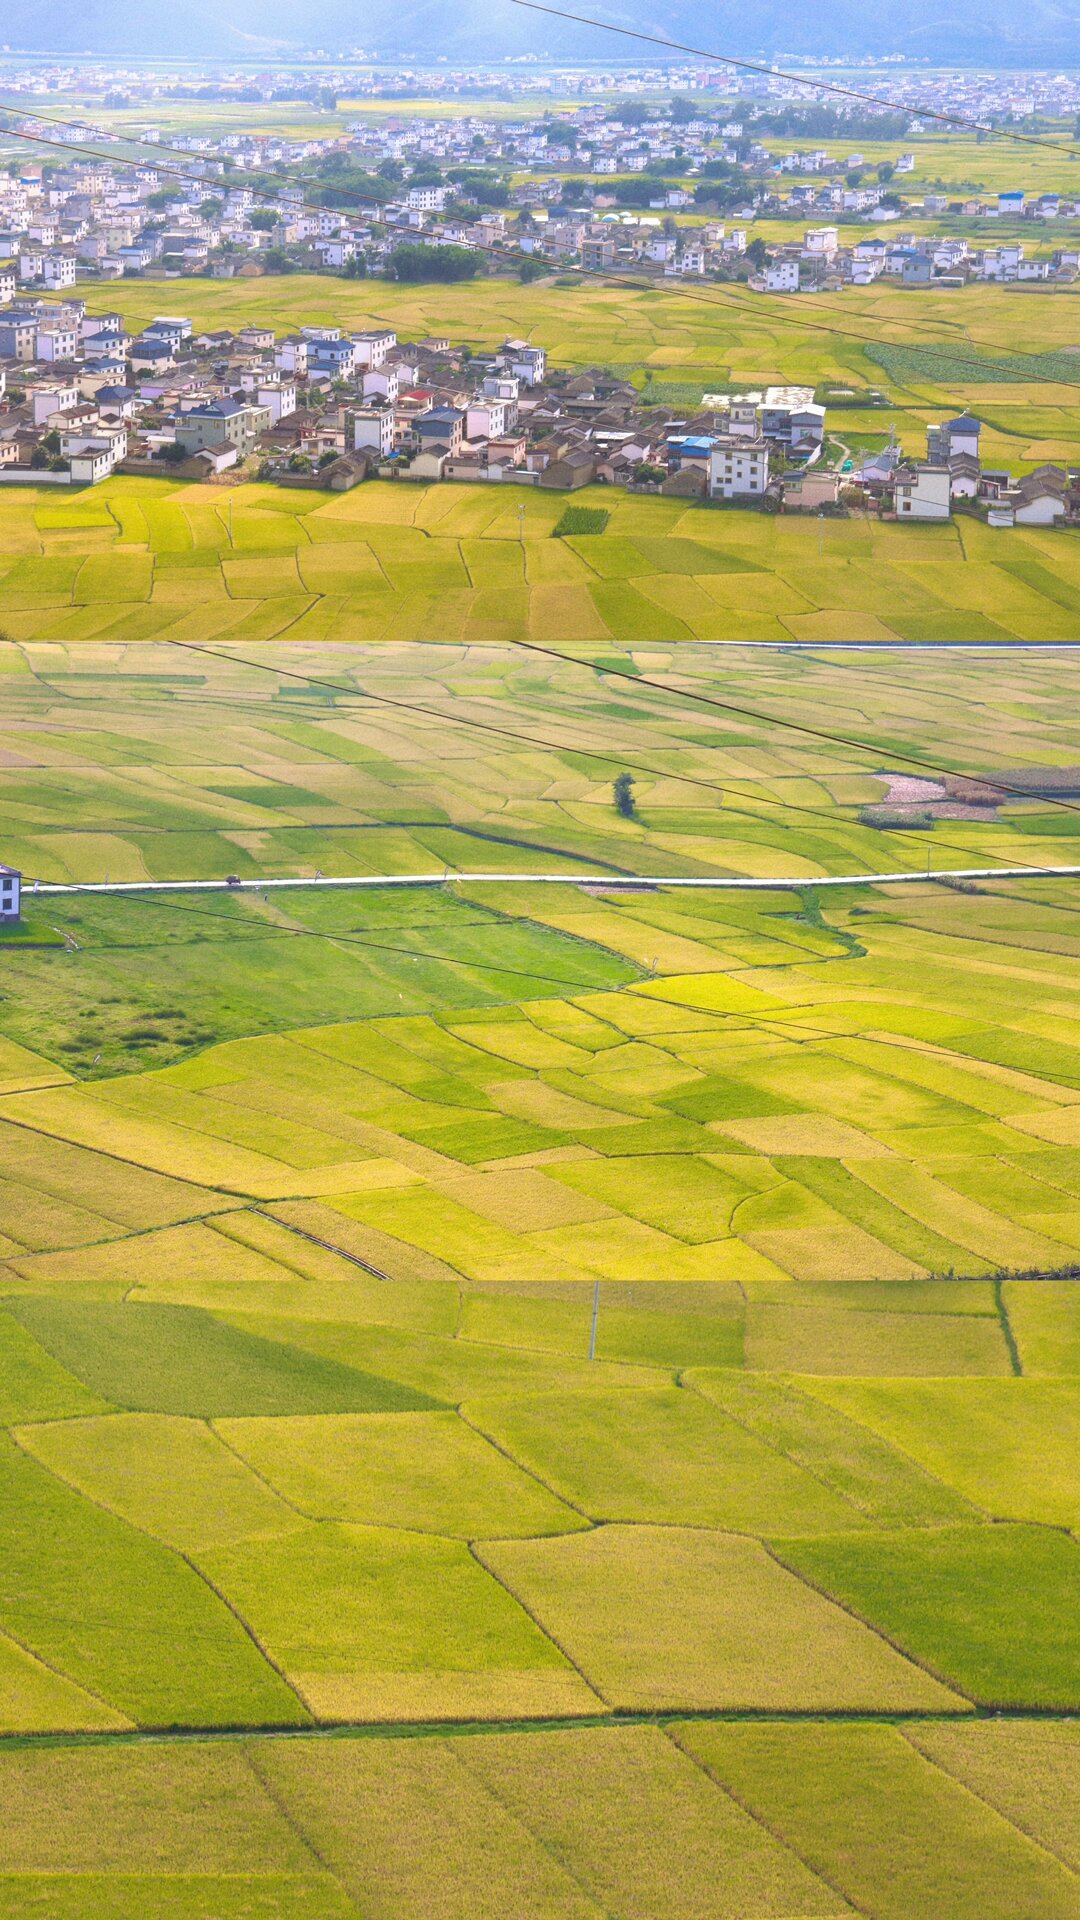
{"type": "Point", "coordinates": [608, 881]}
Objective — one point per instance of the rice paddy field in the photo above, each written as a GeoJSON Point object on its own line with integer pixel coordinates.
{"type": "Point", "coordinates": [517, 1396]}
{"type": "Point", "coordinates": [140, 560]}
{"type": "Point", "coordinates": [1007, 353]}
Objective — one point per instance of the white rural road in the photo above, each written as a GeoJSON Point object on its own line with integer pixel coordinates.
{"type": "Point", "coordinates": [613, 881]}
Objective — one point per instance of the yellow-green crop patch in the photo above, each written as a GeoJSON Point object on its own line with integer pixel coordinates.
{"type": "Point", "coordinates": [156, 1358]}
{"type": "Point", "coordinates": [425, 1471]}
{"type": "Point", "coordinates": [850, 1799]}
{"type": "Point", "coordinates": [371, 1624]}
{"type": "Point", "coordinates": [663, 1455]}
{"type": "Point", "coordinates": [671, 1617]}
{"type": "Point", "coordinates": [987, 1439]}
{"type": "Point", "coordinates": [121, 1616]}
{"type": "Point", "coordinates": [170, 1476]}
{"type": "Point", "coordinates": [981, 1606]}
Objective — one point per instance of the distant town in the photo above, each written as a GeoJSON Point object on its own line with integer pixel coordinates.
{"type": "Point", "coordinates": [669, 191]}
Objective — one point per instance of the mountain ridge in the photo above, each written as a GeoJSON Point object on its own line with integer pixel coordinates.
{"type": "Point", "coordinates": [991, 33]}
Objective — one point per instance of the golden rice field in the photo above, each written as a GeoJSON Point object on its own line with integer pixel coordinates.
{"type": "Point", "coordinates": [141, 560]}
{"type": "Point", "coordinates": [529, 1398]}
{"type": "Point", "coordinates": [712, 336]}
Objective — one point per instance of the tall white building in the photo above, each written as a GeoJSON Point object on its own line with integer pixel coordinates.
{"type": "Point", "coordinates": [738, 468]}
{"type": "Point", "coordinates": [10, 891]}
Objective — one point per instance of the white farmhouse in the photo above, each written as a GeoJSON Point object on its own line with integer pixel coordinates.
{"type": "Point", "coordinates": [923, 493]}
{"type": "Point", "coordinates": [10, 891]}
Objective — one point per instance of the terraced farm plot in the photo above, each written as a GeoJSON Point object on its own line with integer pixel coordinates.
{"type": "Point", "coordinates": [989, 1440]}
{"type": "Point", "coordinates": [666, 1617]}
{"type": "Point", "coordinates": [387, 564]}
{"type": "Point", "coordinates": [981, 1606]}
{"type": "Point", "coordinates": [640, 1829]}
{"type": "Point", "coordinates": [850, 1799]}
{"type": "Point", "coordinates": [185, 1830]}
{"type": "Point", "coordinates": [33, 1385]}
{"type": "Point", "coordinates": [172, 1477]}
{"type": "Point", "coordinates": [428, 1472]}
{"type": "Point", "coordinates": [825, 1339]}
{"type": "Point", "coordinates": [179, 1360]}
{"type": "Point", "coordinates": [1025, 1769]}
{"type": "Point", "coordinates": [123, 1618]}
{"type": "Point", "coordinates": [34, 1698]}
{"type": "Point", "coordinates": [372, 1624]}
{"type": "Point", "coordinates": [660, 1455]}
{"type": "Point", "coordinates": [832, 1443]}
{"type": "Point", "coordinates": [408, 1827]}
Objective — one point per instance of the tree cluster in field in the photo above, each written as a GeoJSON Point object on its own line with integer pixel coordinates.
{"type": "Point", "coordinates": [832, 123]}
{"type": "Point", "coordinates": [435, 263]}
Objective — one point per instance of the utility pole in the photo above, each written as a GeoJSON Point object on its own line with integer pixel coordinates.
{"type": "Point", "coordinates": [595, 1318]}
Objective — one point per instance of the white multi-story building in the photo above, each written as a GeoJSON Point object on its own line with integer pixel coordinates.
{"type": "Point", "coordinates": [373, 346]}
{"type": "Point", "coordinates": [278, 397]}
{"type": "Point", "coordinates": [923, 493]}
{"type": "Point", "coordinates": [373, 427]}
{"type": "Point", "coordinates": [10, 891]}
{"type": "Point", "coordinates": [821, 241]}
{"type": "Point", "coordinates": [291, 356]}
{"type": "Point", "coordinates": [526, 363]}
{"type": "Point", "coordinates": [738, 468]}
{"type": "Point", "coordinates": [485, 420]}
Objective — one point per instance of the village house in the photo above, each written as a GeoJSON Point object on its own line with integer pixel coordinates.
{"type": "Point", "coordinates": [10, 894]}
{"type": "Point", "coordinates": [922, 492]}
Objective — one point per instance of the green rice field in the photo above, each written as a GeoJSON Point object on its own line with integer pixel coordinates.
{"type": "Point", "coordinates": [142, 560]}
{"type": "Point", "coordinates": [529, 1398]}
{"type": "Point", "coordinates": [1004, 352]}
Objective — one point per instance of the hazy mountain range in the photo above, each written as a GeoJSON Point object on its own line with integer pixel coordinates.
{"type": "Point", "coordinates": [977, 32]}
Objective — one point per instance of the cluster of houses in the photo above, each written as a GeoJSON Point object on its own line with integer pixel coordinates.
{"type": "Point", "coordinates": [328, 407]}
{"type": "Point", "coordinates": [215, 209]}
{"type": "Point", "coordinates": [819, 261]}
{"type": "Point", "coordinates": [953, 474]}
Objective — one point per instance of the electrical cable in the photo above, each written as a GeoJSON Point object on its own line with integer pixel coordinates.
{"type": "Point", "coordinates": [726, 299]}
{"type": "Point", "coordinates": [676, 692]}
{"type": "Point", "coordinates": [917, 109]}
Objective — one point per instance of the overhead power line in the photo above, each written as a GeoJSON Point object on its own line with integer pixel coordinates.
{"type": "Point", "coordinates": [918, 109]}
{"type": "Point", "coordinates": [531, 739]}
{"type": "Point", "coordinates": [714, 299]}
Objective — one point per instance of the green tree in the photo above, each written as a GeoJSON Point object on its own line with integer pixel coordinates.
{"type": "Point", "coordinates": [414, 263]}
{"type": "Point", "coordinates": [623, 790]}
